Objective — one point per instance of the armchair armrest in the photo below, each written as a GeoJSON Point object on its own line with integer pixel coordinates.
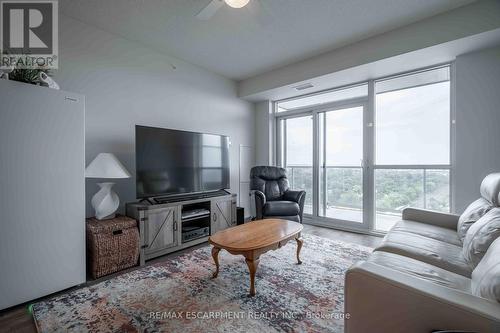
{"type": "Point", "coordinates": [260, 201]}
{"type": "Point", "coordinates": [439, 219]}
{"type": "Point", "coordinates": [292, 195]}
{"type": "Point", "coordinates": [260, 196]}
{"type": "Point", "coordinates": [297, 196]}
{"type": "Point", "coordinates": [399, 302]}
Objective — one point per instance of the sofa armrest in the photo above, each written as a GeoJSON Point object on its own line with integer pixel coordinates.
{"type": "Point", "coordinates": [380, 299]}
{"type": "Point", "coordinates": [439, 219]}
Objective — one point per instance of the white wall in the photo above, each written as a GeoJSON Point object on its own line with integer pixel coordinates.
{"type": "Point", "coordinates": [477, 122]}
{"type": "Point", "coordinates": [127, 84]}
{"type": "Point", "coordinates": [264, 133]}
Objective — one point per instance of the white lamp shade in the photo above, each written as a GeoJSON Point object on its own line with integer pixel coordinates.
{"type": "Point", "coordinates": [106, 165]}
{"type": "Point", "coordinates": [237, 3]}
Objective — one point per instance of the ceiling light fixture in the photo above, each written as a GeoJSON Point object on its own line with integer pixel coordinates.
{"type": "Point", "coordinates": [213, 6]}
{"type": "Point", "coordinates": [237, 3]}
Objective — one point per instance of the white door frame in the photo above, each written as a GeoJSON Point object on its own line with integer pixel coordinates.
{"type": "Point", "coordinates": [315, 113]}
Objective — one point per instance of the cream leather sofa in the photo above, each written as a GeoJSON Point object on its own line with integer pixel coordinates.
{"type": "Point", "coordinates": [432, 272]}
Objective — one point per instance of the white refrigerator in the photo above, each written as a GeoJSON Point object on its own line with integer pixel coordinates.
{"type": "Point", "coordinates": [42, 191]}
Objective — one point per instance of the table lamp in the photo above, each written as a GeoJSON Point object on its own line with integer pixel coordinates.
{"type": "Point", "coordinates": [106, 201]}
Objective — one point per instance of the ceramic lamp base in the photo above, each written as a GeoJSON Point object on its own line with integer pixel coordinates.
{"type": "Point", "coordinates": [105, 202]}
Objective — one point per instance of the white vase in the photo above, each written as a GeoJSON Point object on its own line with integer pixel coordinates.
{"type": "Point", "coordinates": [105, 202]}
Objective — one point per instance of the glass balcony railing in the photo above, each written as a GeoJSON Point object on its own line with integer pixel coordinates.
{"type": "Point", "coordinates": [397, 189]}
{"type": "Point", "coordinates": [341, 192]}
{"type": "Point", "coordinates": [301, 178]}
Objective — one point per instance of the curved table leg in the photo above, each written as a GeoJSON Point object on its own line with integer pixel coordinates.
{"type": "Point", "coordinates": [215, 255]}
{"type": "Point", "coordinates": [252, 267]}
{"type": "Point", "coordinates": [299, 247]}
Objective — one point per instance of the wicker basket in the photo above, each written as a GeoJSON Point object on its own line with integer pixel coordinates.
{"type": "Point", "coordinates": [112, 245]}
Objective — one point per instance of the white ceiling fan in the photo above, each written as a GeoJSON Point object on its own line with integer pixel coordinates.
{"type": "Point", "coordinates": [214, 5]}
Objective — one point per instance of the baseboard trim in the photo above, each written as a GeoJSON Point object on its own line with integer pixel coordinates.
{"type": "Point", "coordinates": [341, 228]}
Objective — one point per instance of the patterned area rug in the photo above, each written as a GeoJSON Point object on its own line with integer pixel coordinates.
{"type": "Point", "coordinates": [179, 295]}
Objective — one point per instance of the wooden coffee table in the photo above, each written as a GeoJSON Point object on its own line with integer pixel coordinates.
{"type": "Point", "coordinates": [254, 238]}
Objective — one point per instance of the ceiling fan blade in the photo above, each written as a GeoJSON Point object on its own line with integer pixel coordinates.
{"type": "Point", "coordinates": [210, 10]}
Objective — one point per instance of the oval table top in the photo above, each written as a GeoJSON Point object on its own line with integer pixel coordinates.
{"type": "Point", "coordinates": [255, 235]}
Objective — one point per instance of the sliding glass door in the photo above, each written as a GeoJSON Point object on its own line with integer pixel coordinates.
{"type": "Point", "coordinates": [341, 164]}
{"type": "Point", "coordinates": [323, 152]}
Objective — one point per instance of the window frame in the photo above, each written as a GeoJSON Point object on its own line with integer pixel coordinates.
{"type": "Point", "coordinates": [423, 167]}
{"type": "Point", "coordinates": [369, 166]}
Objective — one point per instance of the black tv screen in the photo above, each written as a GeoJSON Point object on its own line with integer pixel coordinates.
{"type": "Point", "coordinates": [172, 162]}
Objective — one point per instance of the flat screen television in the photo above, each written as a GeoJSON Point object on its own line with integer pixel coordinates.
{"type": "Point", "coordinates": [172, 162]}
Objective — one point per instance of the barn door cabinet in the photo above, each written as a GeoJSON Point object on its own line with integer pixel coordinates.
{"type": "Point", "coordinates": [223, 214]}
{"type": "Point", "coordinates": [160, 231]}
{"type": "Point", "coordinates": [161, 225]}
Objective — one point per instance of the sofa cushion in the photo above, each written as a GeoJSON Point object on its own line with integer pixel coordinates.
{"type": "Point", "coordinates": [490, 188]}
{"type": "Point", "coordinates": [432, 251]}
{"type": "Point", "coordinates": [428, 230]}
{"type": "Point", "coordinates": [284, 208]}
{"type": "Point", "coordinates": [480, 236]}
{"type": "Point", "coordinates": [472, 213]}
{"type": "Point", "coordinates": [486, 276]}
{"type": "Point", "coordinates": [421, 270]}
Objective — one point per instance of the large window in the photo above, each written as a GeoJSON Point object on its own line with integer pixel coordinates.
{"type": "Point", "coordinates": [362, 164]}
{"type": "Point", "coordinates": [412, 150]}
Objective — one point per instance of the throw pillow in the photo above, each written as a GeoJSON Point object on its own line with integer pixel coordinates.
{"type": "Point", "coordinates": [472, 213]}
{"type": "Point", "coordinates": [480, 236]}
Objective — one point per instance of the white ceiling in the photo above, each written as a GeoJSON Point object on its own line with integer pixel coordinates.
{"type": "Point", "coordinates": [266, 34]}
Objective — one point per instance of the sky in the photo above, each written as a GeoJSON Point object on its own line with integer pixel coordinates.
{"type": "Point", "coordinates": [412, 127]}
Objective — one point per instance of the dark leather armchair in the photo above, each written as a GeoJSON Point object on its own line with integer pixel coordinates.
{"type": "Point", "coordinates": [273, 198]}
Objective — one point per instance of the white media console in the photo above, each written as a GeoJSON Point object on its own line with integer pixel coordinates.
{"type": "Point", "coordinates": [175, 225]}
